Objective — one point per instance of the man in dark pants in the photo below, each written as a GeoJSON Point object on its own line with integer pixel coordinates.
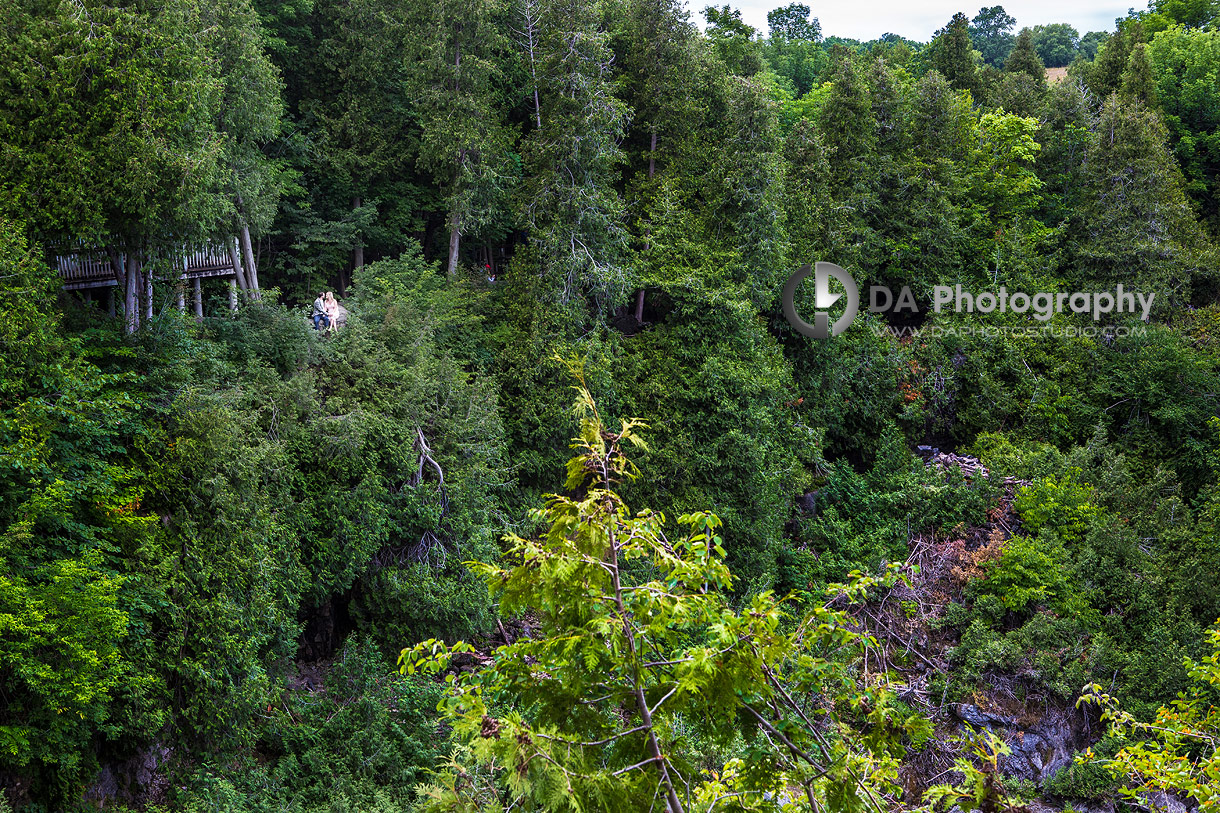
{"type": "Point", "coordinates": [319, 312]}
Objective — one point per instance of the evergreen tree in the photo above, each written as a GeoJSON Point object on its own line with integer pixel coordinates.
{"type": "Point", "coordinates": [953, 55]}
{"type": "Point", "coordinates": [356, 101]}
{"type": "Point", "coordinates": [1137, 83]}
{"type": "Point", "coordinates": [742, 189]}
{"type": "Point", "coordinates": [1024, 59]}
{"type": "Point", "coordinates": [889, 107]}
{"type": "Point", "coordinates": [101, 93]}
{"type": "Point", "coordinates": [457, 47]}
{"type": "Point", "coordinates": [845, 120]}
{"type": "Point", "coordinates": [1106, 73]}
{"type": "Point", "coordinates": [1017, 93]}
{"type": "Point", "coordinates": [1136, 222]}
{"type": "Point", "coordinates": [571, 205]}
{"type": "Point", "coordinates": [661, 70]}
{"type": "Point", "coordinates": [249, 112]}
{"type": "Point", "coordinates": [810, 212]}
{"type": "Point", "coordinates": [1069, 120]}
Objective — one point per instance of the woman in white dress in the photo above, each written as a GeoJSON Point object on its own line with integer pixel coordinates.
{"type": "Point", "coordinates": [332, 311]}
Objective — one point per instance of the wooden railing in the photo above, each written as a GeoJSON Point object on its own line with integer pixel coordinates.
{"type": "Point", "coordinates": [84, 269]}
{"type": "Point", "coordinates": [87, 267]}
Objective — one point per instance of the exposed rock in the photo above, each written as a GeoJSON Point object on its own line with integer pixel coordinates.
{"type": "Point", "coordinates": [980, 717]}
{"type": "Point", "coordinates": [1078, 805]}
{"type": "Point", "coordinates": [1162, 802]}
{"type": "Point", "coordinates": [137, 780]}
{"type": "Point", "coordinates": [1094, 807]}
{"type": "Point", "coordinates": [1039, 749]}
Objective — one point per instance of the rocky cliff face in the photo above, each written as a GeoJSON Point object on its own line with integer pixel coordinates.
{"type": "Point", "coordinates": [1044, 733]}
{"type": "Point", "coordinates": [1042, 742]}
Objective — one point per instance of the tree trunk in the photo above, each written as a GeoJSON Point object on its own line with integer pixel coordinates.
{"type": "Point", "coordinates": [357, 251]}
{"type": "Point", "coordinates": [247, 250]}
{"type": "Point", "coordinates": [455, 219]}
{"type": "Point", "coordinates": [116, 265]}
{"type": "Point", "coordinates": [531, 31]}
{"type": "Point", "coordinates": [232, 297]}
{"type": "Point", "coordinates": [198, 299]}
{"type": "Point", "coordinates": [235, 258]}
{"type": "Point", "coordinates": [131, 287]}
{"type": "Point", "coordinates": [147, 279]}
{"type": "Point", "coordinates": [119, 269]}
{"type": "Point", "coordinates": [652, 170]}
{"type": "Point", "coordinates": [633, 654]}
{"type": "Point", "coordinates": [455, 242]}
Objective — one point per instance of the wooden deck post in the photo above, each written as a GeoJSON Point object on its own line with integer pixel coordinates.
{"type": "Point", "coordinates": [198, 299]}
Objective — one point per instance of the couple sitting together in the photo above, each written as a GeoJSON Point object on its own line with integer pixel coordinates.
{"type": "Point", "coordinates": [325, 311]}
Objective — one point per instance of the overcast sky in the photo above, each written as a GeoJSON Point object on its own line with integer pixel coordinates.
{"type": "Point", "coordinates": [869, 19]}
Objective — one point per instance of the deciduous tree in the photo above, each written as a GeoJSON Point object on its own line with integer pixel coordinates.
{"type": "Point", "coordinates": [618, 666]}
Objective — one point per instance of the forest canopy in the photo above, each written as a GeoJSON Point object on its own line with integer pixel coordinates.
{"type": "Point", "coordinates": [253, 561]}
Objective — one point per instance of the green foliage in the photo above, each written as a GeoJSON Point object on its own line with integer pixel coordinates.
{"type": "Point", "coordinates": [1026, 574]}
{"type": "Point", "coordinates": [69, 513]}
{"type": "Point", "coordinates": [1025, 59]}
{"type": "Point", "coordinates": [981, 787]}
{"type": "Point", "coordinates": [733, 40]}
{"type": "Point", "coordinates": [595, 693]}
{"type": "Point", "coordinates": [792, 22]}
{"type": "Point", "coordinates": [192, 513]}
{"type": "Point", "coordinates": [569, 201]}
{"type": "Point", "coordinates": [97, 94]}
{"type": "Point", "coordinates": [1177, 751]}
{"type": "Point", "coordinates": [1183, 66]}
{"type": "Point", "coordinates": [1062, 506]}
{"type": "Point", "coordinates": [715, 387]}
{"type": "Point", "coordinates": [953, 55]}
{"type": "Point", "coordinates": [1026, 460]}
{"type": "Point", "coordinates": [357, 742]}
{"type": "Point", "coordinates": [1086, 777]}
{"type": "Point", "coordinates": [991, 34]}
{"type": "Point", "coordinates": [865, 519]}
{"type": "Point", "coordinates": [1055, 43]}
{"type": "Point", "coordinates": [1045, 652]}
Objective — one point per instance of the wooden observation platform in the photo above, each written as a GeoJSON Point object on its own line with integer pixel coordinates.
{"type": "Point", "coordinates": [85, 268]}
